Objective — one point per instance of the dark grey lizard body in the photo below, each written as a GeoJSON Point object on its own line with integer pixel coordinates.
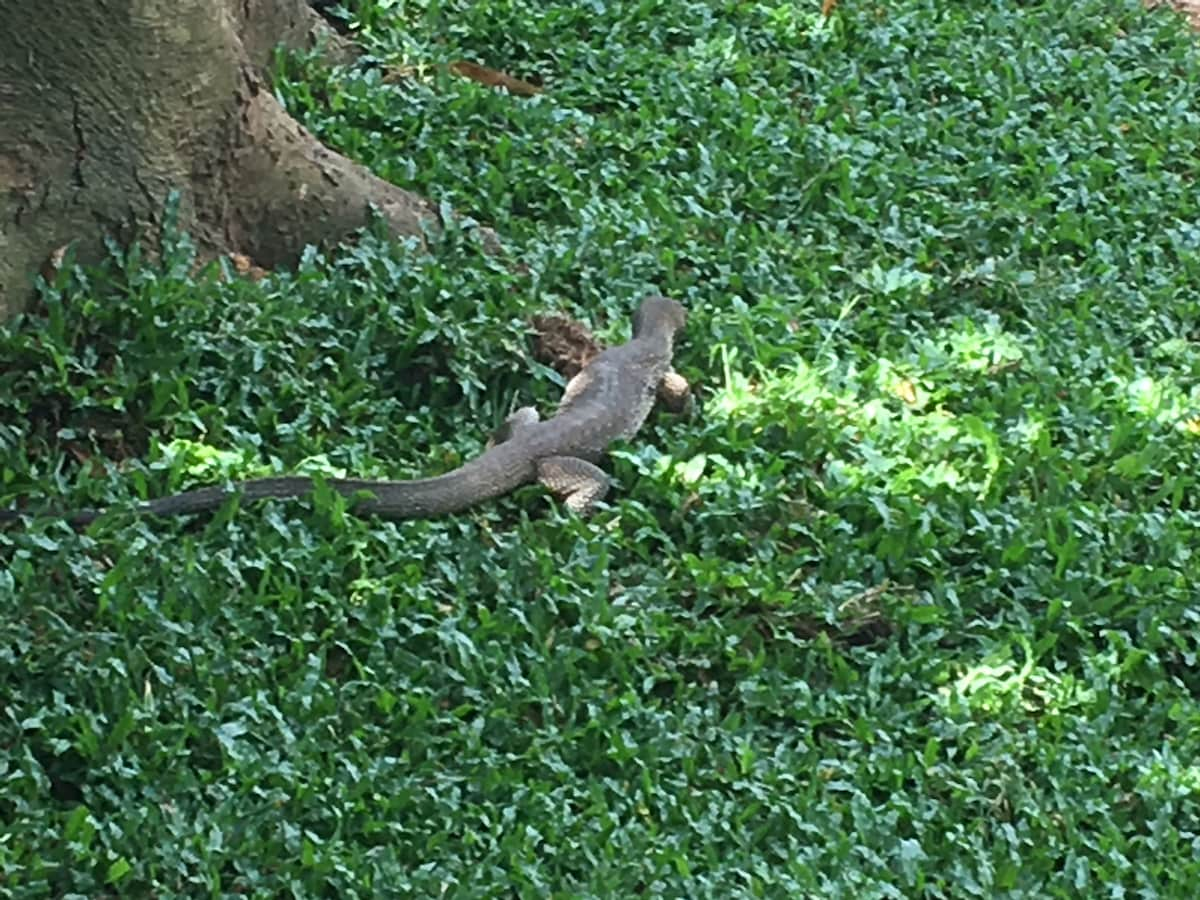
{"type": "Point", "coordinates": [608, 400]}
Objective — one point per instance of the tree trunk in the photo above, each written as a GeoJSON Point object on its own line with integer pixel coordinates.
{"type": "Point", "coordinates": [107, 105]}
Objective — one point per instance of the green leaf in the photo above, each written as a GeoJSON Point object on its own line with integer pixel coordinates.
{"type": "Point", "coordinates": [117, 870]}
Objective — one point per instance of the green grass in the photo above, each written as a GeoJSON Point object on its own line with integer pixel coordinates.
{"type": "Point", "coordinates": [908, 608]}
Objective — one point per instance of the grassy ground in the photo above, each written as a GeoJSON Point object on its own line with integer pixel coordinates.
{"type": "Point", "coordinates": [909, 608]}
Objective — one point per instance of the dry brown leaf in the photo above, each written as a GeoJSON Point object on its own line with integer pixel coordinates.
{"type": "Point", "coordinates": [494, 78]}
{"type": "Point", "coordinates": [53, 263]}
{"type": "Point", "coordinates": [244, 265]}
{"type": "Point", "coordinates": [399, 73]}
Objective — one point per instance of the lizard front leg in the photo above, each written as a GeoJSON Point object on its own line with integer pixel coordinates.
{"type": "Point", "coordinates": [577, 481]}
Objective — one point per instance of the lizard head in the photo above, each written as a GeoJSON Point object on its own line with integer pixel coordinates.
{"type": "Point", "coordinates": [658, 315]}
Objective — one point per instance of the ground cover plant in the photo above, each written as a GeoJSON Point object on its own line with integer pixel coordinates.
{"type": "Point", "coordinates": [906, 607]}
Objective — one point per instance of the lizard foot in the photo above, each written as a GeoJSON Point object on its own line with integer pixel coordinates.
{"type": "Point", "coordinates": [579, 482]}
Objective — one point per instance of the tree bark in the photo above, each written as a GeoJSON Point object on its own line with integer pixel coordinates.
{"type": "Point", "coordinates": [107, 105]}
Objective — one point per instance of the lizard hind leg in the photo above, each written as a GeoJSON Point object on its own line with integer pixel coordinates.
{"type": "Point", "coordinates": [513, 425]}
{"type": "Point", "coordinates": [576, 480]}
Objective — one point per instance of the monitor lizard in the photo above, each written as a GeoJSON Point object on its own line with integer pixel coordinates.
{"type": "Point", "coordinates": [607, 400]}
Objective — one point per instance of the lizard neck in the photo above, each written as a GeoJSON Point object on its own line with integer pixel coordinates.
{"type": "Point", "coordinates": [659, 341]}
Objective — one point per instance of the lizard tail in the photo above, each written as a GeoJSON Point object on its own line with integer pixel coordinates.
{"type": "Point", "coordinates": [496, 472]}
{"type": "Point", "coordinates": [416, 499]}
{"type": "Point", "coordinates": [74, 517]}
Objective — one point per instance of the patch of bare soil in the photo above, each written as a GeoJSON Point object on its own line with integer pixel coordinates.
{"type": "Point", "coordinates": [1190, 8]}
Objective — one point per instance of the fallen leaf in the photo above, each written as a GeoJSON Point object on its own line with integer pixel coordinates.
{"type": "Point", "coordinates": [906, 391]}
{"type": "Point", "coordinates": [244, 265]}
{"type": "Point", "coordinates": [53, 264]}
{"type": "Point", "coordinates": [494, 78]}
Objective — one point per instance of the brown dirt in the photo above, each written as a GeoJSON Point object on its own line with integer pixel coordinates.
{"type": "Point", "coordinates": [1190, 8]}
{"type": "Point", "coordinates": [563, 343]}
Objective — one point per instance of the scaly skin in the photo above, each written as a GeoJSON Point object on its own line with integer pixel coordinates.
{"type": "Point", "coordinates": [609, 399]}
